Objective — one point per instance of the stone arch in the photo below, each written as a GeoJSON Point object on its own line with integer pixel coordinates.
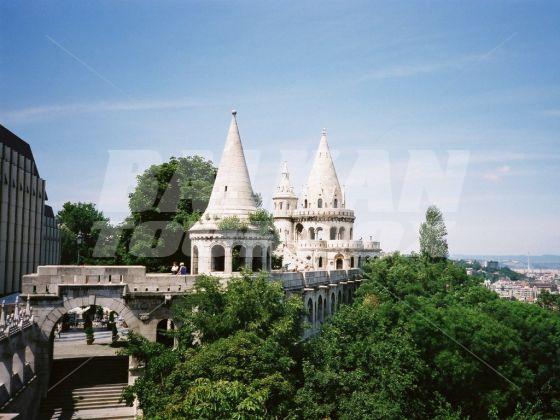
{"type": "Point", "coordinates": [238, 257]}
{"type": "Point", "coordinates": [163, 329]}
{"type": "Point", "coordinates": [339, 261]}
{"type": "Point", "coordinates": [320, 308]}
{"type": "Point", "coordinates": [339, 300]}
{"type": "Point", "coordinates": [333, 303]}
{"type": "Point", "coordinates": [320, 203]}
{"type": "Point", "coordinates": [218, 258]}
{"type": "Point", "coordinates": [114, 304]}
{"type": "Point", "coordinates": [311, 234]}
{"type": "Point", "coordinates": [360, 261]}
{"type": "Point", "coordinates": [335, 203]}
{"type": "Point", "coordinates": [319, 233]}
{"type": "Point", "coordinates": [352, 262]}
{"type": "Point", "coordinates": [341, 232]}
{"type": "Point", "coordinates": [194, 269]}
{"type": "Point", "coordinates": [332, 234]}
{"type": "Point", "coordinates": [320, 262]}
{"type": "Point", "coordinates": [310, 311]}
{"type": "Point", "coordinates": [299, 231]}
{"type": "Point", "coordinates": [18, 368]}
{"type": "Point", "coordinates": [305, 203]}
{"type": "Point", "coordinates": [257, 263]}
{"type": "Point", "coordinates": [29, 363]}
{"type": "Point", "coordinates": [351, 233]}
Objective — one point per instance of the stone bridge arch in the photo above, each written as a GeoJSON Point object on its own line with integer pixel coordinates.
{"type": "Point", "coordinates": [50, 318]}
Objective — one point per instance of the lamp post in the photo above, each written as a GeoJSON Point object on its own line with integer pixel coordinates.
{"type": "Point", "coordinates": [79, 241]}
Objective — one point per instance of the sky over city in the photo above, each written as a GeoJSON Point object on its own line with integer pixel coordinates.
{"type": "Point", "coordinates": [450, 103]}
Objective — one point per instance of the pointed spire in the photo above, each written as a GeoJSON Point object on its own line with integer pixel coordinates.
{"type": "Point", "coordinates": [323, 182]}
{"type": "Point", "coordinates": [232, 193]}
{"type": "Point", "coordinates": [285, 188]}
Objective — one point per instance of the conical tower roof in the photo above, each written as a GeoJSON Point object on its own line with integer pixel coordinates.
{"type": "Point", "coordinates": [285, 188]}
{"type": "Point", "coordinates": [323, 181]}
{"type": "Point", "coordinates": [232, 193]}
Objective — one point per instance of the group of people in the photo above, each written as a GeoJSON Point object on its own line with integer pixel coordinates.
{"type": "Point", "coordinates": [180, 269]}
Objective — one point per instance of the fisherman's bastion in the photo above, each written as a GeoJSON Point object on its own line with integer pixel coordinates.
{"type": "Point", "coordinates": [316, 230]}
{"type": "Point", "coordinates": [320, 264]}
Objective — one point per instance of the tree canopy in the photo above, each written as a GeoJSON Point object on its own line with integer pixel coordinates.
{"type": "Point", "coordinates": [433, 233]}
{"type": "Point", "coordinates": [73, 219]}
{"type": "Point", "coordinates": [236, 354]}
{"type": "Point", "coordinates": [421, 340]}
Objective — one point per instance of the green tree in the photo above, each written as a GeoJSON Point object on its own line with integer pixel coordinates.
{"type": "Point", "coordinates": [433, 233]}
{"type": "Point", "coordinates": [75, 218]}
{"type": "Point", "coordinates": [167, 201]}
{"type": "Point", "coordinates": [237, 354]}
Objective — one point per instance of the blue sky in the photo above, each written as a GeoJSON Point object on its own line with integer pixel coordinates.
{"type": "Point", "coordinates": [402, 87]}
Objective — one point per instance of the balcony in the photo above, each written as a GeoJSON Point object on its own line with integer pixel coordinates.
{"type": "Point", "coordinates": [339, 243]}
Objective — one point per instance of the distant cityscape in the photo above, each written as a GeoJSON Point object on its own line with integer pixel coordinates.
{"type": "Point", "coordinates": [511, 280]}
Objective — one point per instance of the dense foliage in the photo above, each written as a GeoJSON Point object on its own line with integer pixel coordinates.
{"type": "Point", "coordinates": [424, 340]}
{"type": "Point", "coordinates": [73, 219]}
{"type": "Point", "coordinates": [421, 340]}
{"type": "Point", "coordinates": [236, 355]}
{"type": "Point", "coordinates": [168, 199]}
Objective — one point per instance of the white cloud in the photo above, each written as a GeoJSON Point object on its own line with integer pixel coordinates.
{"type": "Point", "coordinates": [58, 110]}
{"type": "Point", "coordinates": [497, 173]}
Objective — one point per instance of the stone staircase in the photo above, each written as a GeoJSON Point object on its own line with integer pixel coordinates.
{"type": "Point", "coordinates": [93, 391]}
{"type": "Point", "coordinates": [290, 257]}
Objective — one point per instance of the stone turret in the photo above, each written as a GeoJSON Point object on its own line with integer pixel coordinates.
{"type": "Point", "coordinates": [319, 233]}
{"type": "Point", "coordinates": [323, 189]}
{"type": "Point", "coordinates": [224, 240]}
{"type": "Point", "coordinates": [285, 202]}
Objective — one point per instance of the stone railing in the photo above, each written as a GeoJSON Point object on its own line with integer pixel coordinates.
{"type": "Point", "coordinates": [312, 279]}
{"type": "Point", "coordinates": [17, 339]}
{"type": "Point", "coordinates": [19, 319]}
{"type": "Point", "coordinates": [339, 243]}
{"type": "Point", "coordinates": [323, 212]}
{"type": "Point", "coordinates": [134, 280]}
{"type": "Point", "coordinates": [48, 278]}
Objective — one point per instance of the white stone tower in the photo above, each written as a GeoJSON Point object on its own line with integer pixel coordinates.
{"type": "Point", "coordinates": [285, 202]}
{"type": "Point", "coordinates": [321, 227]}
{"type": "Point", "coordinates": [219, 247]}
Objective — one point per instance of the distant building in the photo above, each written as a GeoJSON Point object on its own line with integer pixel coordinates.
{"type": "Point", "coordinates": [492, 265]}
{"type": "Point", "coordinates": [520, 290]}
{"type": "Point", "coordinates": [29, 234]}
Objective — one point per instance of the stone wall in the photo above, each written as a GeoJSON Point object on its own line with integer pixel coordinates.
{"type": "Point", "coordinates": [19, 339]}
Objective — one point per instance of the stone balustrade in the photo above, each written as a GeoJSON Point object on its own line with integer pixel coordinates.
{"type": "Point", "coordinates": [339, 244]}
{"type": "Point", "coordinates": [134, 279]}
{"type": "Point", "coordinates": [323, 213]}
{"type": "Point", "coordinates": [17, 354]}
{"type": "Point", "coordinates": [14, 322]}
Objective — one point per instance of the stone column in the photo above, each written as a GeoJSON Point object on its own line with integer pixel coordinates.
{"type": "Point", "coordinates": [249, 257]}
{"type": "Point", "coordinates": [228, 261]}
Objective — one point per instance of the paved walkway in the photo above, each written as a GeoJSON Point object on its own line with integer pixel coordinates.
{"type": "Point", "coordinates": [72, 343]}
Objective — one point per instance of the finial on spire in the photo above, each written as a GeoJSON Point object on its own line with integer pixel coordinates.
{"type": "Point", "coordinates": [324, 132]}
{"type": "Point", "coordinates": [233, 112]}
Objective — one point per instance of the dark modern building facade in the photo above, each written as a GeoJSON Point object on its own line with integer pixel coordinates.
{"type": "Point", "coordinates": [29, 234]}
